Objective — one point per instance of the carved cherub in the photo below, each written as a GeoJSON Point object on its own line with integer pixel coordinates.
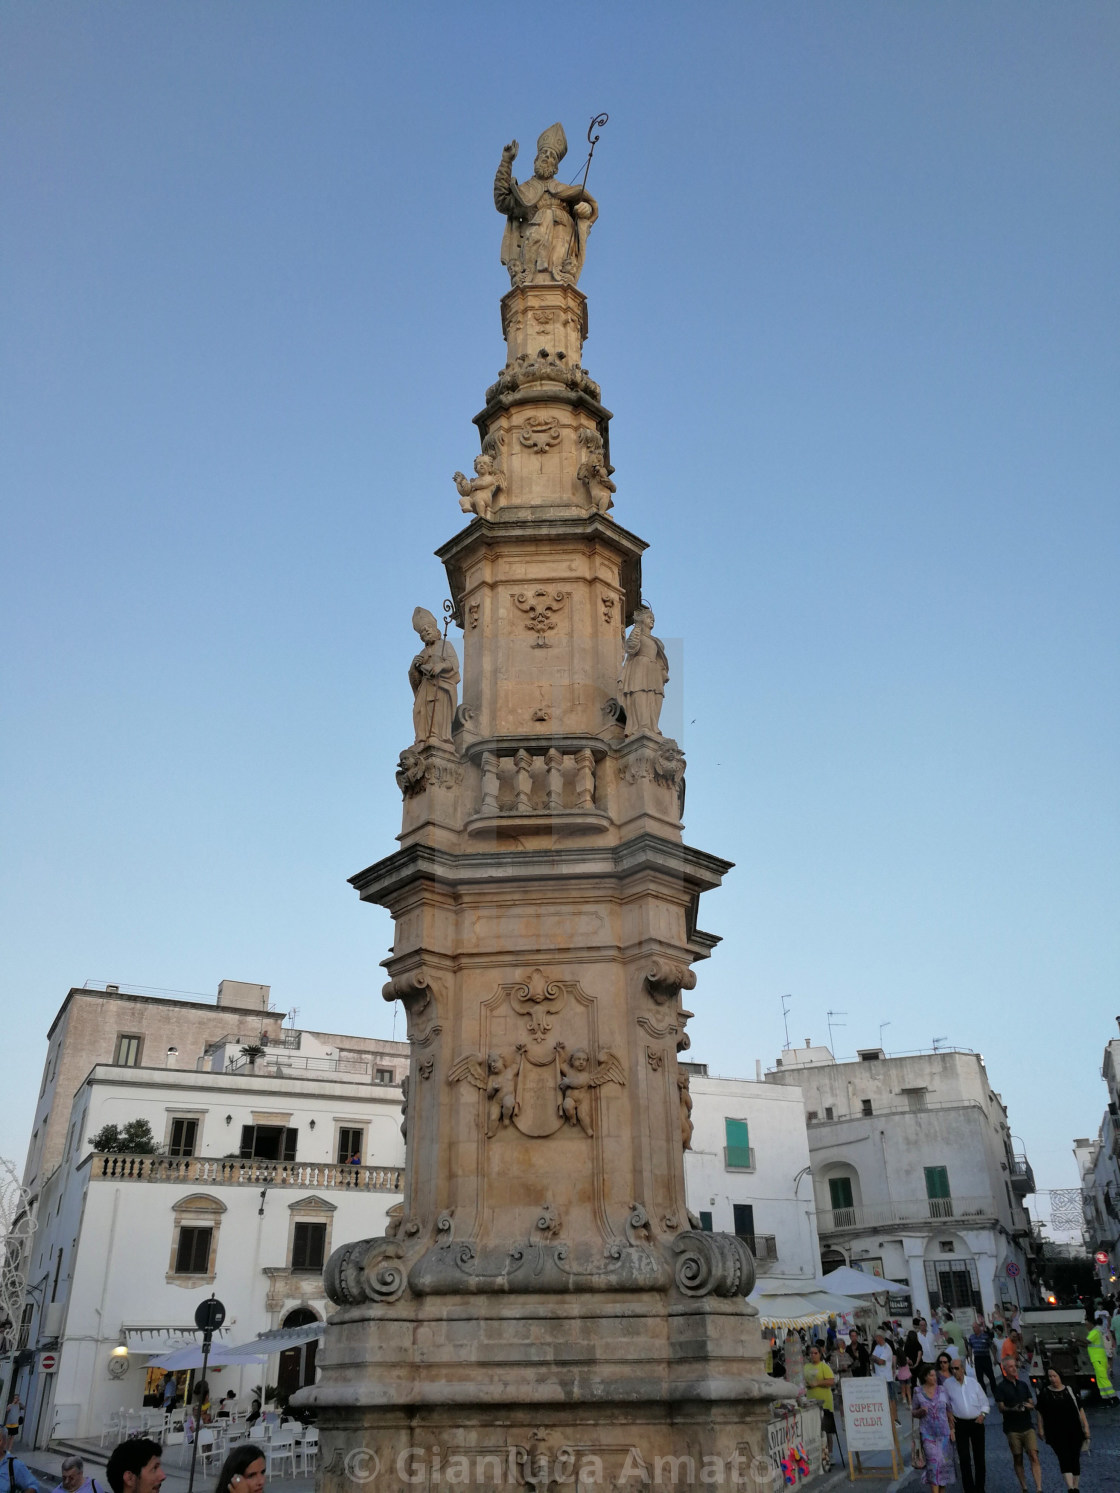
{"type": "Point", "coordinates": [595, 471]}
{"type": "Point", "coordinates": [481, 493]}
{"type": "Point", "coordinates": [496, 1077]}
{"type": "Point", "coordinates": [577, 1079]}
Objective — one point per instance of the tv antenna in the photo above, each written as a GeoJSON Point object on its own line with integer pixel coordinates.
{"type": "Point", "coordinates": [785, 1015]}
{"type": "Point", "coordinates": [882, 1027]}
{"type": "Point", "coordinates": [831, 1024]}
{"type": "Point", "coordinates": [939, 1042]}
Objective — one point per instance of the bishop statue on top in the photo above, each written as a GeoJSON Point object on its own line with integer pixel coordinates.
{"type": "Point", "coordinates": [547, 220]}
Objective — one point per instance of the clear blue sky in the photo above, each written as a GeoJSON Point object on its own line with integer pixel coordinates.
{"type": "Point", "coordinates": [853, 301]}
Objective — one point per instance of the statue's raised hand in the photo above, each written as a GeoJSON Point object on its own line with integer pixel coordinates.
{"type": "Point", "coordinates": [509, 152]}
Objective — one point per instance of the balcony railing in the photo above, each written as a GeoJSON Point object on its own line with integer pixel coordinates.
{"type": "Point", "coordinates": [764, 1247]}
{"type": "Point", "coordinates": [895, 1107]}
{"type": "Point", "coordinates": [916, 1210]}
{"type": "Point", "coordinates": [272, 1062]}
{"type": "Point", "coordinates": [738, 1158]}
{"type": "Point", "coordinates": [223, 1171]}
{"type": "Point", "coordinates": [1022, 1176]}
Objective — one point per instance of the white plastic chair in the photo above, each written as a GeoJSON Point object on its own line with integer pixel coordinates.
{"type": "Point", "coordinates": [309, 1450]}
{"type": "Point", "coordinates": [281, 1448]}
{"type": "Point", "coordinates": [209, 1449]}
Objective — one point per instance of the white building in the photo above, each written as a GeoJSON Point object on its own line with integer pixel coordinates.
{"type": "Point", "coordinates": [268, 1155]}
{"type": "Point", "coordinates": [1098, 1164]}
{"type": "Point", "coordinates": [914, 1173]}
{"type": "Point", "coordinates": [748, 1170]}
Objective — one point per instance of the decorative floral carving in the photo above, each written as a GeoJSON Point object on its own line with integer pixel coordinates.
{"type": "Point", "coordinates": [539, 433]}
{"type": "Point", "coordinates": [655, 1057]}
{"type": "Point", "coordinates": [539, 607]}
{"type": "Point", "coordinates": [665, 979]}
{"type": "Point", "coordinates": [548, 1221]}
{"type": "Point", "coordinates": [426, 1066]}
{"type": "Point", "coordinates": [545, 368]}
{"type": "Point", "coordinates": [539, 999]}
{"type": "Point", "coordinates": [608, 599]}
{"type": "Point", "coordinates": [637, 1225]}
{"type": "Point", "coordinates": [367, 1270]}
{"type": "Point", "coordinates": [713, 1264]}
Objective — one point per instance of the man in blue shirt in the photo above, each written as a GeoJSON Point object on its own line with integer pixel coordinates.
{"type": "Point", "coordinates": [980, 1351]}
{"type": "Point", "coordinates": [13, 1474]}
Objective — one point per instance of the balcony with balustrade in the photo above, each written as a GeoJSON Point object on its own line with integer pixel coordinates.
{"type": "Point", "coordinates": [968, 1211]}
{"type": "Point", "coordinates": [230, 1171]}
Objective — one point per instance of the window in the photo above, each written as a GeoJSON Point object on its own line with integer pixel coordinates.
{"type": "Point", "coordinates": [915, 1098]}
{"type": "Point", "coordinates": [192, 1256]}
{"type": "Point", "coordinates": [184, 1134]}
{"type": "Point", "coordinates": [268, 1143]}
{"type": "Point", "coordinates": [829, 1112]}
{"type": "Point", "coordinates": [308, 1246]}
{"type": "Point", "coordinates": [840, 1193]}
{"type": "Point", "coordinates": [350, 1145]}
{"type": "Point", "coordinates": [946, 1246]}
{"type": "Point", "coordinates": [737, 1150]}
{"type": "Point", "coordinates": [706, 1222]}
{"type": "Point", "coordinates": [812, 1117]}
{"type": "Point", "coordinates": [383, 1075]}
{"type": "Point", "coordinates": [128, 1051]}
{"type": "Point", "coordinates": [25, 1325]}
{"type": "Point", "coordinates": [744, 1221]}
{"type": "Point", "coordinates": [866, 1107]}
{"type": "Point", "coordinates": [937, 1190]}
{"type": "Point", "coordinates": [57, 1273]}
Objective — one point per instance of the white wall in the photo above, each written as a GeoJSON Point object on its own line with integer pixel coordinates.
{"type": "Point", "coordinates": [776, 1118]}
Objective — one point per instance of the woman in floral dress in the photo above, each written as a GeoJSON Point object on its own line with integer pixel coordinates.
{"type": "Point", "coordinates": [933, 1421]}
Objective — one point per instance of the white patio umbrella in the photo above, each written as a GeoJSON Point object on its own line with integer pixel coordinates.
{"type": "Point", "coordinates": [799, 1308]}
{"type": "Point", "coordinates": [191, 1357]}
{"type": "Point", "coordinates": [850, 1282]}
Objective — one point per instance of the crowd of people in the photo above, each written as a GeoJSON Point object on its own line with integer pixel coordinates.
{"type": "Point", "coordinates": [951, 1375]}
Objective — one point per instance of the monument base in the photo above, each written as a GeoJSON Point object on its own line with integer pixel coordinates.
{"type": "Point", "coordinates": [532, 1391]}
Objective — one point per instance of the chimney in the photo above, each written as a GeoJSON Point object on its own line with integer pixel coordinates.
{"type": "Point", "coordinates": [808, 1041]}
{"type": "Point", "coordinates": [172, 1057]}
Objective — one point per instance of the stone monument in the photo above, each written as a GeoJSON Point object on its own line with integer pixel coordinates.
{"type": "Point", "coordinates": [544, 1309]}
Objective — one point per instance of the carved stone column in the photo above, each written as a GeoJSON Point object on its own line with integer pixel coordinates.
{"type": "Point", "coordinates": [543, 1288]}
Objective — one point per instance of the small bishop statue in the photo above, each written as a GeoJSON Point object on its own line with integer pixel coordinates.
{"type": "Point", "coordinates": [547, 221]}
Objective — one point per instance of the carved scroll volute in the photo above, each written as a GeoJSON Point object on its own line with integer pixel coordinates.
{"type": "Point", "coordinates": [665, 979]}
{"type": "Point", "coordinates": [416, 992]}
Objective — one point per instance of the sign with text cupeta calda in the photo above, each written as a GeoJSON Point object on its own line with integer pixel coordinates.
{"type": "Point", "coordinates": [867, 1415]}
{"type": "Point", "coordinates": [794, 1445]}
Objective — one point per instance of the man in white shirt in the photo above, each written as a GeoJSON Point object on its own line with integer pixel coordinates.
{"type": "Point", "coordinates": [882, 1367]}
{"type": "Point", "coordinates": [928, 1342]}
{"type": "Point", "coordinates": [969, 1405]}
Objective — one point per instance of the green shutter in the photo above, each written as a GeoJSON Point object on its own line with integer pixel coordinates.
{"type": "Point", "coordinates": [840, 1192]}
{"type": "Point", "coordinates": [738, 1141]}
{"type": "Point", "coordinates": [937, 1182]}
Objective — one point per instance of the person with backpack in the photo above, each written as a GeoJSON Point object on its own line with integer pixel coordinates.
{"type": "Point", "coordinates": [13, 1474]}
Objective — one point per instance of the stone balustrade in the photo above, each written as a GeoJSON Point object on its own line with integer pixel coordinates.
{"type": "Point", "coordinates": [533, 783]}
{"type": "Point", "coordinates": [227, 1171]}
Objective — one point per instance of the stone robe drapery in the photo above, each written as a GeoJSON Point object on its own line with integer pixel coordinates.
{"type": "Point", "coordinates": [434, 676]}
{"type": "Point", "coordinates": [544, 240]}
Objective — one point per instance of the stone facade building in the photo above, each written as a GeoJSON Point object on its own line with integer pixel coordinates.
{"type": "Point", "coordinates": [747, 1172]}
{"type": "Point", "coordinates": [915, 1173]}
{"type": "Point", "coordinates": [1098, 1165]}
{"type": "Point", "coordinates": [265, 1156]}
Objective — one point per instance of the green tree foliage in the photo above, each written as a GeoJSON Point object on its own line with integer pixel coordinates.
{"type": "Point", "coordinates": [134, 1138]}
